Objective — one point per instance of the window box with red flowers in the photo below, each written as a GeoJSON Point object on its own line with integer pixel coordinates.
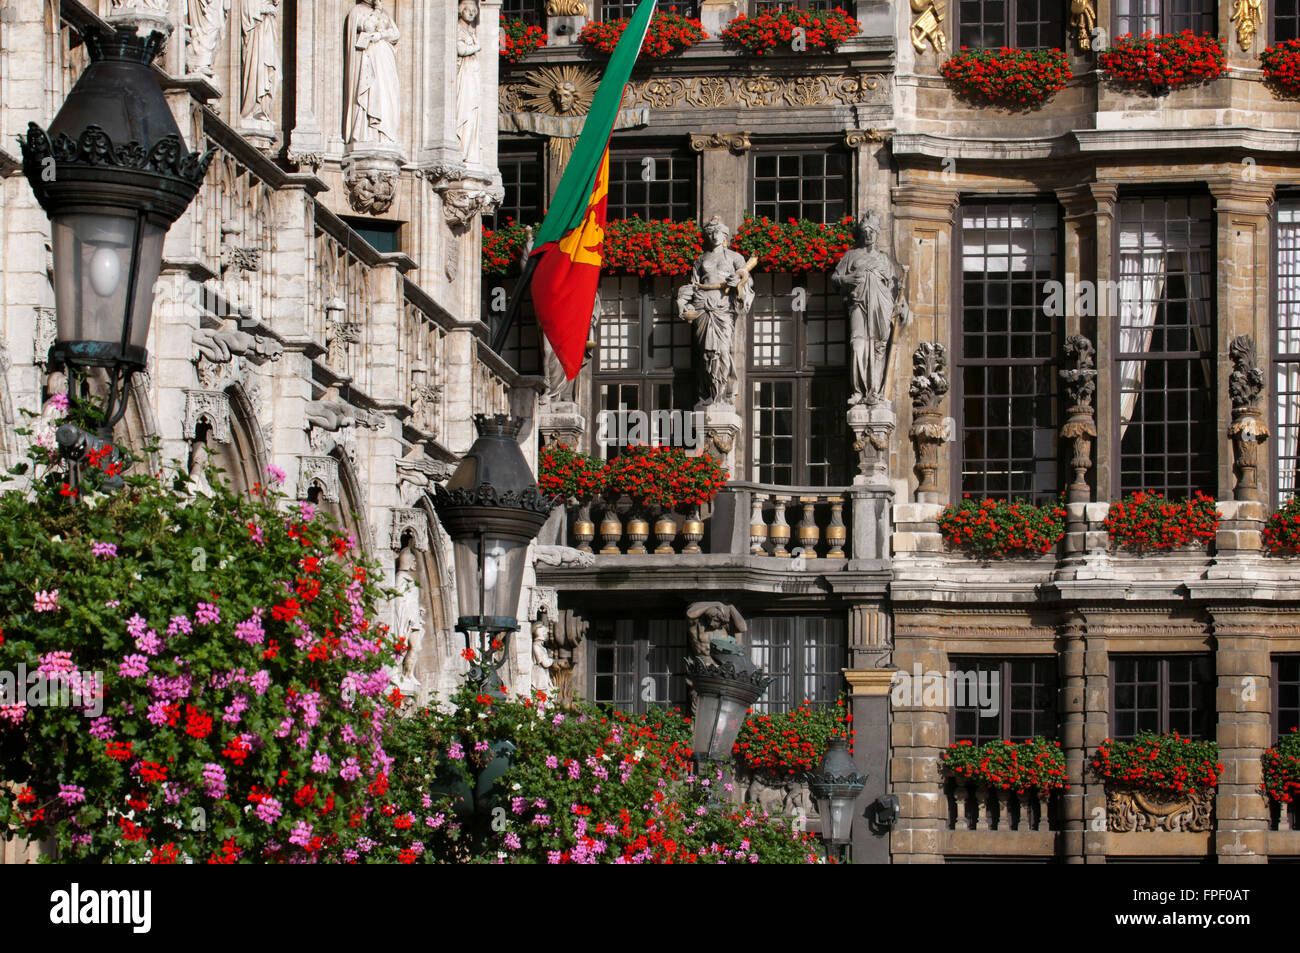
{"type": "Point", "coordinates": [1282, 772]}
{"type": "Point", "coordinates": [518, 39]}
{"type": "Point", "coordinates": [1159, 782]}
{"type": "Point", "coordinates": [1017, 79]}
{"type": "Point", "coordinates": [1281, 65]}
{"type": "Point", "coordinates": [632, 247]}
{"type": "Point", "coordinates": [669, 33]}
{"type": "Point", "coordinates": [822, 30]}
{"type": "Point", "coordinates": [996, 528]}
{"type": "Point", "coordinates": [796, 247]}
{"type": "Point", "coordinates": [1032, 771]}
{"type": "Point", "coordinates": [1146, 522]}
{"type": "Point", "coordinates": [503, 249]}
{"type": "Point", "coordinates": [562, 471]}
{"type": "Point", "coordinates": [1281, 536]}
{"type": "Point", "coordinates": [663, 477]}
{"type": "Point", "coordinates": [779, 747]}
{"type": "Point", "coordinates": [1163, 61]}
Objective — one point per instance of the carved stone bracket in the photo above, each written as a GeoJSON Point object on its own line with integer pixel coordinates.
{"type": "Point", "coordinates": [1248, 429]}
{"type": "Point", "coordinates": [1080, 378]}
{"type": "Point", "coordinates": [240, 257]}
{"type": "Point", "coordinates": [465, 194]}
{"type": "Point", "coordinates": [319, 472]}
{"type": "Point", "coordinates": [47, 329]}
{"type": "Point", "coordinates": [222, 355]}
{"type": "Point", "coordinates": [721, 428]}
{"type": "Point", "coordinates": [141, 15]}
{"type": "Point", "coordinates": [211, 407]}
{"type": "Point", "coordinates": [737, 142]}
{"type": "Point", "coordinates": [929, 384]}
{"type": "Point", "coordinates": [409, 519]}
{"type": "Point", "coordinates": [873, 426]}
{"type": "Point", "coordinates": [543, 600]}
{"type": "Point", "coordinates": [313, 160]}
{"type": "Point", "coordinates": [857, 138]}
{"type": "Point", "coordinates": [1132, 809]}
{"type": "Point", "coordinates": [371, 179]}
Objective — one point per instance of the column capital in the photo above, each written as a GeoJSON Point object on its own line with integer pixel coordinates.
{"type": "Point", "coordinates": [870, 681]}
{"type": "Point", "coordinates": [925, 202]}
{"type": "Point", "coordinates": [1236, 194]}
{"type": "Point", "coordinates": [1087, 199]}
{"type": "Point", "coordinates": [736, 142]}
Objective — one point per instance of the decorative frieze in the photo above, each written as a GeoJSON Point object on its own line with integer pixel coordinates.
{"type": "Point", "coordinates": [1133, 809]}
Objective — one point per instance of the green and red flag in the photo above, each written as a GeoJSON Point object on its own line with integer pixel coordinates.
{"type": "Point", "coordinates": [570, 244]}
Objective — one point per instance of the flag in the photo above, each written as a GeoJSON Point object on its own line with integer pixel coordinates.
{"type": "Point", "coordinates": [570, 244]}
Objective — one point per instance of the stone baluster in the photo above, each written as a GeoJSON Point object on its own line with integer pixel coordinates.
{"type": "Point", "coordinates": [1044, 815]}
{"type": "Point", "coordinates": [611, 531]}
{"type": "Point", "coordinates": [1027, 803]}
{"type": "Point", "coordinates": [757, 526]}
{"type": "Point", "coordinates": [779, 531]}
{"type": "Point", "coordinates": [837, 534]}
{"type": "Point", "coordinates": [982, 812]}
{"type": "Point", "coordinates": [809, 533]}
{"type": "Point", "coordinates": [1002, 797]}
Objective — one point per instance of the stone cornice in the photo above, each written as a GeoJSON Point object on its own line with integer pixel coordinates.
{"type": "Point", "coordinates": [869, 681]}
{"type": "Point", "coordinates": [925, 202]}
{"type": "Point", "coordinates": [945, 147]}
{"type": "Point", "coordinates": [1238, 194]}
{"type": "Point", "coordinates": [1166, 140]}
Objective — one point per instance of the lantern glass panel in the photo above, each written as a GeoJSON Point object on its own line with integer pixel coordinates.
{"type": "Point", "coordinates": [503, 575]}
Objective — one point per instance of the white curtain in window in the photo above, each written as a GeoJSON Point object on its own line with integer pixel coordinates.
{"type": "Point", "coordinates": [1141, 285]}
{"type": "Point", "coordinates": [1196, 266]}
{"type": "Point", "coordinates": [1287, 374]}
{"type": "Point", "coordinates": [1138, 16]}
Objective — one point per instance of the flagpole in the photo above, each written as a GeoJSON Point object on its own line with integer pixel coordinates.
{"type": "Point", "coordinates": [517, 299]}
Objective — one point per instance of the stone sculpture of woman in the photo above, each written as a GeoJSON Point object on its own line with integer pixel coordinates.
{"type": "Point", "coordinates": [467, 83]}
{"type": "Point", "coordinates": [720, 294]}
{"type": "Point", "coordinates": [205, 19]}
{"type": "Point", "coordinates": [374, 93]}
{"type": "Point", "coordinates": [260, 32]}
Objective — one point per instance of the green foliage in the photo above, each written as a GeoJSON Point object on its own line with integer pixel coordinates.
{"type": "Point", "coordinates": [1161, 762]}
{"type": "Point", "coordinates": [1035, 764]}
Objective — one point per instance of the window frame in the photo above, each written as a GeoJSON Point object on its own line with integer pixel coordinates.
{"type": "Point", "coordinates": [1005, 688]}
{"type": "Point", "coordinates": [524, 338]}
{"type": "Point", "coordinates": [685, 8]}
{"type": "Point", "coordinates": [798, 648]}
{"type": "Point", "coordinates": [1010, 25]}
{"type": "Point", "coordinates": [536, 16]}
{"type": "Point", "coordinates": [1269, 28]}
{"type": "Point", "coordinates": [620, 150]}
{"type": "Point", "coordinates": [520, 152]}
{"type": "Point", "coordinates": [1210, 686]}
{"type": "Point", "coordinates": [1116, 382]}
{"type": "Point", "coordinates": [643, 638]}
{"type": "Point", "coordinates": [1166, 20]}
{"type": "Point", "coordinates": [1275, 357]}
{"type": "Point", "coordinates": [957, 348]}
{"type": "Point", "coordinates": [1275, 714]}
{"type": "Point", "coordinates": [824, 149]}
{"type": "Point", "coordinates": [774, 6]}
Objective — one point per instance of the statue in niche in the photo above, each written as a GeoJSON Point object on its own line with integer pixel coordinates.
{"type": "Point", "coordinates": [873, 297]}
{"type": "Point", "coordinates": [204, 21]}
{"type": "Point", "coordinates": [720, 293]}
{"type": "Point", "coordinates": [374, 91]}
{"type": "Point", "coordinates": [260, 31]}
{"type": "Point", "coordinates": [408, 613]}
{"type": "Point", "coordinates": [467, 80]}
{"type": "Point", "coordinates": [200, 460]}
{"type": "Point", "coordinates": [543, 661]}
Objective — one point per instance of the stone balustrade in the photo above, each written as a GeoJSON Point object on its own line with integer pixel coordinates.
{"type": "Point", "coordinates": [984, 808]}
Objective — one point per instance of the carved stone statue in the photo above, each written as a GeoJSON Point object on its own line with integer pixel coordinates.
{"type": "Point", "coordinates": [1083, 17]}
{"type": "Point", "coordinates": [332, 414]}
{"type": "Point", "coordinates": [543, 661]}
{"type": "Point", "coordinates": [720, 293]}
{"type": "Point", "coordinates": [408, 612]}
{"type": "Point", "coordinates": [468, 107]}
{"type": "Point", "coordinates": [222, 345]}
{"type": "Point", "coordinates": [199, 461]}
{"type": "Point", "coordinates": [929, 384]}
{"type": "Point", "coordinates": [1248, 429]}
{"type": "Point", "coordinates": [558, 387]}
{"type": "Point", "coordinates": [874, 297]}
{"type": "Point", "coordinates": [708, 619]}
{"type": "Point", "coordinates": [260, 32]}
{"type": "Point", "coordinates": [204, 22]}
{"type": "Point", "coordinates": [1249, 16]}
{"type": "Point", "coordinates": [374, 91]}
{"type": "Point", "coordinates": [563, 556]}
{"type": "Point", "coordinates": [1080, 378]}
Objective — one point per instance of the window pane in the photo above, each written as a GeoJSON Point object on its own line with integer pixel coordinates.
{"type": "Point", "coordinates": [1166, 345]}
{"type": "Point", "coordinates": [1288, 693]}
{"type": "Point", "coordinates": [525, 198]}
{"type": "Point", "coordinates": [773, 432]}
{"type": "Point", "coordinates": [653, 186]}
{"type": "Point", "coordinates": [522, 349]}
{"type": "Point", "coordinates": [811, 185]}
{"type": "Point", "coordinates": [1286, 348]}
{"type": "Point", "coordinates": [1286, 20]}
{"type": "Point", "coordinates": [1008, 350]}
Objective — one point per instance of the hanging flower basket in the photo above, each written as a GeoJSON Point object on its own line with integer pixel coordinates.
{"type": "Point", "coordinates": [823, 31]}
{"type": "Point", "coordinates": [794, 246]}
{"type": "Point", "coordinates": [518, 39]}
{"type": "Point", "coordinates": [1281, 65]}
{"type": "Point", "coordinates": [669, 33]}
{"type": "Point", "coordinates": [1002, 528]}
{"type": "Point", "coordinates": [1007, 77]}
{"type": "Point", "coordinates": [1147, 521]}
{"type": "Point", "coordinates": [1164, 61]}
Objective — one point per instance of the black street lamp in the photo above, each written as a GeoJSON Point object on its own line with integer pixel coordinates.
{"type": "Point", "coordinates": [492, 509]}
{"type": "Point", "coordinates": [726, 685]}
{"type": "Point", "coordinates": [113, 174]}
{"type": "Point", "coordinates": [835, 786]}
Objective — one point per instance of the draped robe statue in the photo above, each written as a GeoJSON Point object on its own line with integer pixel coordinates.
{"type": "Point", "coordinates": [374, 93]}
{"type": "Point", "coordinates": [205, 19]}
{"type": "Point", "coordinates": [719, 294]}
{"type": "Point", "coordinates": [260, 31]}
{"type": "Point", "coordinates": [467, 80]}
{"type": "Point", "coordinates": [872, 295]}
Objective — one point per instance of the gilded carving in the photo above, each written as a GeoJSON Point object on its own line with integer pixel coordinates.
{"type": "Point", "coordinates": [757, 92]}
{"type": "Point", "coordinates": [1083, 17]}
{"type": "Point", "coordinates": [709, 92]}
{"type": "Point", "coordinates": [1248, 15]}
{"type": "Point", "coordinates": [926, 26]}
{"type": "Point", "coordinates": [566, 8]}
{"type": "Point", "coordinates": [662, 93]}
{"type": "Point", "coordinates": [737, 142]}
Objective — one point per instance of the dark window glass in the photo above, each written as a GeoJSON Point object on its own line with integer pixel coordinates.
{"type": "Point", "coordinates": [529, 11]}
{"type": "Point", "coordinates": [1286, 694]}
{"type": "Point", "coordinates": [1006, 355]}
{"type": "Point", "coordinates": [811, 185]}
{"type": "Point", "coordinates": [615, 9]}
{"type": "Point", "coordinates": [1286, 350]}
{"type": "Point", "coordinates": [1166, 346]}
{"type": "Point", "coordinates": [1011, 699]}
{"type": "Point", "coordinates": [798, 387]}
{"type": "Point", "coordinates": [772, 6]}
{"type": "Point", "coordinates": [651, 186]}
{"type": "Point", "coordinates": [1163, 16]}
{"type": "Point", "coordinates": [525, 197]}
{"type": "Point", "coordinates": [382, 236]}
{"type": "Point", "coordinates": [1162, 694]}
{"type": "Point", "coordinates": [1028, 24]}
{"type": "Point", "coordinates": [643, 363]}
{"type": "Point", "coordinates": [523, 348]}
{"type": "Point", "coordinates": [805, 657]}
{"type": "Point", "coordinates": [1286, 20]}
{"type": "Point", "coordinates": [639, 663]}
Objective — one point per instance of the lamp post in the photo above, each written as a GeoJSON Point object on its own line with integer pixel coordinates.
{"type": "Point", "coordinates": [492, 509]}
{"type": "Point", "coordinates": [835, 786]}
{"type": "Point", "coordinates": [112, 172]}
{"type": "Point", "coordinates": [726, 685]}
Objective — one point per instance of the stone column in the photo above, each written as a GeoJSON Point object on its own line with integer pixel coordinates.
{"type": "Point", "coordinates": [724, 165]}
{"type": "Point", "coordinates": [1096, 729]}
{"type": "Point", "coordinates": [917, 736]}
{"type": "Point", "coordinates": [869, 703]}
{"type": "Point", "coordinates": [307, 138]}
{"type": "Point", "coordinates": [923, 222]}
{"type": "Point", "coordinates": [1245, 702]}
{"type": "Point", "coordinates": [1073, 679]}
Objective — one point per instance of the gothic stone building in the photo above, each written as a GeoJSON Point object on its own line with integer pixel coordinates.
{"type": "Point", "coordinates": [1123, 238]}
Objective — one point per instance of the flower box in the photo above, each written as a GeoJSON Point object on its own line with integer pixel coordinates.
{"type": "Point", "coordinates": [782, 746]}
{"type": "Point", "coordinates": [632, 247]}
{"type": "Point", "coordinates": [1161, 62]}
{"type": "Point", "coordinates": [1035, 764]}
{"type": "Point", "coordinates": [518, 39]}
{"type": "Point", "coordinates": [1159, 783]}
{"type": "Point", "coordinates": [1281, 535]}
{"type": "Point", "coordinates": [669, 33]}
{"type": "Point", "coordinates": [662, 477]}
{"type": "Point", "coordinates": [998, 528]}
{"type": "Point", "coordinates": [823, 31]}
{"type": "Point", "coordinates": [1142, 522]}
{"type": "Point", "coordinates": [797, 247]}
{"type": "Point", "coordinates": [1007, 77]}
{"type": "Point", "coordinates": [564, 472]}
{"type": "Point", "coordinates": [1282, 770]}
{"type": "Point", "coordinates": [1281, 65]}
